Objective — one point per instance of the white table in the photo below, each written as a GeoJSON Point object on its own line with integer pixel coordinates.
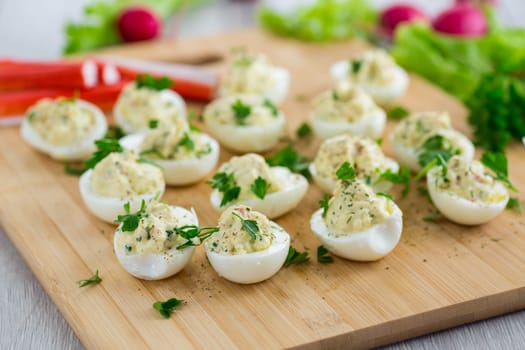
{"type": "Point", "coordinates": [28, 317]}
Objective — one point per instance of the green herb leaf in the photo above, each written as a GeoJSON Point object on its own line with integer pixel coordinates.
{"type": "Point", "coordinates": [438, 161]}
{"type": "Point", "coordinates": [104, 148]}
{"type": "Point", "coordinates": [397, 113]}
{"type": "Point", "coordinates": [95, 279]}
{"type": "Point", "coordinates": [230, 195]}
{"type": "Point", "coordinates": [74, 170]}
{"type": "Point", "coordinates": [153, 123]}
{"type": "Point", "coordinates": [130, 221]}
{"type": "Point", "coordinates": [293, 160]}
{"type": "Point", "coordinates": [191, 232]}
{"type": "Point", "coordinates": [497, 162]}
{"type": "Point", "coordinates": [345, 172]}
{"type": "Point", "coordinates": [322, 255]}
{"type": "Point", "coordinates": [304, 130]}
{"type": "Point", "coordinates": [324, 203]}
{"type": "Point", "coordinates": [166, 308]}
{"type": "Point", "coordinates": [114, 132]}
{"type": "Point", "coordinates": [401, 177]}
{"type": "Point", "coordinates": [241, 111]}
{"type": "Point", "coordinates": [147, 81]}
{"type": "Point", "coordinates": [295, 257]}
{"type": "Point", "coordinates": [386, 195]}
{"type": "Point", "coordinates": [268, 104]}
{"type": "Point", "coordinates": [225, 183]}
{"type": "Point", "coordinates": [194, 128]}
{"type": "Point", "coordinates": [250, 226]}
{"type": "Point", "coordinates": [187, 142]}
{"type": "Point", "coordinates": [259, 187]}
{"type": "Point", "coordinates": [515, 203]}
{"type": "Point", "coordinates": [433, 216]}
{"type": "Point", "coordinates": [355, 65]}
{"type": "Point", "coordinates": [433, 147]}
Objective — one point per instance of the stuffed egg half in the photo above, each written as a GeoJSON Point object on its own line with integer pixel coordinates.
{"type": "Point", "coordinates": [248, 248]}
{"type": "Point", "coordinates": [153, 250]}
{"type": "Point", "coordinates": [358, 224]}
{"type": "Point", "coordinates": [116, 180]}
{"type": "Point", "coordinates": [64, 128]}
{"type": "Point", "coordinates": [250, 181]}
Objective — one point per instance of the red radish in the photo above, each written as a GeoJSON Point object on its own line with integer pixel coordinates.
{"type": "Point", "coordinates": [462, 20]}
{"type": "Point", "coordinates": [392, 16]}
{"type": "Point", "coordinates": [138, 23]}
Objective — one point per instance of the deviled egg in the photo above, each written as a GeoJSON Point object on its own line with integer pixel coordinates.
{"type": "Point", "coordinates": [244, 123]}
{"type": "Point", "coordinates": [465, 193]}
{"type": "Point", "coordinates": [254, 74]}
{"type": "Point", "coordinates": [376, 72]}
{"type": "Point", "coordinates": [365, 156]}
{"type": "Point", "coordinates": [250, 181]}
{"type": "Point", "coordinates": [185, 154]}
{"type": "Point", "coordinates": [64, 128]}
{"type": "Point", "coordinates": [248, 248]}
{"type": "Point", "coordinates": [347, 109]}
{"type": "Point", "coordinates": [118, 179]}
{"type": "Point", "coordinates": [411, 133]}
{"type": "Point", "coordinates": [153, 249]}
{"type": "Point", "coordinates": [137, 107]}
{"type": "Point", "coordinates": [358, 224]}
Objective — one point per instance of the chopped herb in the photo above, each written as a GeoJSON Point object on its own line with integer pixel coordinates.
{"type": "Point", "coordinates": [356, 65]}
{"type": "Point", "coordinates": [114, 132]}
{"type": "Point", "coordinates": [187, 142]}
{"type": "Point", "coordinates": [401, 177]}
{"type": "Point", "coordinates": [497, 162]}
{"type": "Point", "coordinates": [95, 279]}
{"type": "Point", "coordinates": [335, 96]}
{"type": "Point", "coordinates": [290, 158]}
{"type": "Point", "coordinates": [379, 141]}
{"type": "Point", "coordinates": [31, 116]}
{"type": "Point", "coordinates": [195, 128]}
{"type": "Point", "coordinates": [244, 60]}
{"type": "Point", "coordinates": [143, 160]}
{"type": "Point", "coordinates": [128, 248]}
{"type": "Point", "coordinates": [74, 170]}
{"type": "Point", "coordinates": [165, 308]}
{"type": "Point", "coordinates": [322, 255]}
{"type": "Point", "coordinates": [259, 187]}
{"type": "Point", "coordinates": [146, 81]}
{"type": "Point", "coordinates": [514, 203]}
{"type": "Point", "coordinates": [191, 233]}
{"type": "Point", "coordinates": [438, 161]}
{"type": "Point", "coordinates": [104, 148]}
{"type": "Point", "coordinates": [130, 221]}
{"type": "Point", "coordinates": [250, 226]}
{"type": "Point", "coordinates": [304, 130]}
{"type": "Point", "coordinates": [268, 104]}
{"type": "Point", "coordinates": [230, 195]}
{"type": "Point", "coordinates": [241, 111]}
{"type": "Point", "coordinates": [386, 195]}
{"type": "Point", "coordinates": [153, 123]}
{"type": "Point", "coordinates": [295, 257]}
{"type": "Point", "coordinates": [433, 216]}
{"type": "Point", "coordinates": [434, 147]}
{"type": "Point", "coordinates": [225, 183]}
{"type": "Point", "coordinates": [324, 203]}
{"type": "Point", "coordinates": [397, 113]}
{"type": "Point", "coordinates": [345, 172]}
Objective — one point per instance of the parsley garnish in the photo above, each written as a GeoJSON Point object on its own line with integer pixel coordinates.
{"type": "Point", "coordinates": [153, 123]}
{"type": "Point", "coordinates": [322, 255]}
{"type": "Point", "coordinates": [225, 183]}
{"type": "Point", "coordinates": [105, 147]}
{"type": "Point", "coordinates": [295, 257]}
{"type": "Point", "coordinates": [241, 111]}
{"type": "Point", "coordinates": [324, 203]}
{"type": "Point", "coordinates": [146, 81]}
{"type": "Point", "coordinates": [290, 158]}
{"type": "Point", "coordinates": [401, 177]}
{"type": "Point", "coordinates": [250, 226]}
{"type": "Point", "coordinates": [497, 162]}
{"type": "Point", "coordinates": [434, 147]}
{"type": "Point", "coordinates": [304, 130]}
{"type": "Point", "coordinates": [356, 65]}
{"type": "Point", "coordinates": [190, 232]}
{"type": "Point", "coordinates": [433, 216]}
{"type": "Point", "coordinates": [345, 172]}
{"type": "Point", "coordinates": [31, 116]}
{"type": "Point", "coordinates": [95, 279]}
{"type": "Point", "coordinates": [73, 170]}
{"type": "Point", "coordinates": [268, 104]}
{"type": "Point", "coordinates": [187, 142]}
{"type": "Point", "coordinates": [114, 132]}
{"type": "Point", "coordinates": [259, 187]}
{"type": "Point", "coordinates": [397, 113]}
{"type": "Point", "coordinates": [194, 128]}
{"type": "Point", "coordinates": [514, 203]}
{"type": "Point", "coordinates": [165, 308]}
{"type": "Point", "coordinates": [130, 221]}
{"type": "Point", "coordinates": [386, 195]}
{"type": "Point", "coordinates": [439, 160]}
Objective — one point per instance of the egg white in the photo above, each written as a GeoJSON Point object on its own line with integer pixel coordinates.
{"type": "Point", "coordinates": [372, 125]}
{"type": "Point", "coordinates": [77, 150]}
{"type": "Point", "coordinates": [109, 208]}
{"type": "Point", "coordinates": [409, 155]}
{"type": "Point", "coordinates": [179, 172]}
{"type": "Point", "coordinates": [165, 95]}
{"type": "Point", "coordinates": [253, 267]}
{"type": "Point", "coordinates": [275, 204]}
{"type": "Point", "coordinates": [382, 94]}
{"type": "Point", "coordinates": [371, 244]}
{"type": "Point", "coordinates": [327, 184]}
{"type": "Point", "coordinates": [156, 266]}
{"type": "Point", "coordinates": [462, 210]}
{"type": "Point", "coordinates": [247, 138]}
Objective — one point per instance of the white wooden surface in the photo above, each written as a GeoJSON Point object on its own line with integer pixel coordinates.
{"type": "Point", "coordinates": [29, 319]}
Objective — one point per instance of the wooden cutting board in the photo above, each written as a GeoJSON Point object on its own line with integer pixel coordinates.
{"type": "Point", "coordinates": [439, 276]}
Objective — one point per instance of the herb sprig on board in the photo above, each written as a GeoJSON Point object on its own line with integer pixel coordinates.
{"type": "Point", "coordinates": [295, 257]}
{"type": "Point", "coordinates": [95, 279]}
{"type": "Point", "coordinates": [166, 308]}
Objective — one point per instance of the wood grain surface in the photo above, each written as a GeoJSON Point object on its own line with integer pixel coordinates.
{"type": "Point", "coordinates": [440, 275]}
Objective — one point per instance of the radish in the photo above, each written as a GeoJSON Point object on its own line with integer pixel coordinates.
{"type": "Point", "coordinates": [138, 23]}
{"type": "Point", "coordinates": [461, 20]}
{"type": "Point", "coordinates": [394, 15]}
